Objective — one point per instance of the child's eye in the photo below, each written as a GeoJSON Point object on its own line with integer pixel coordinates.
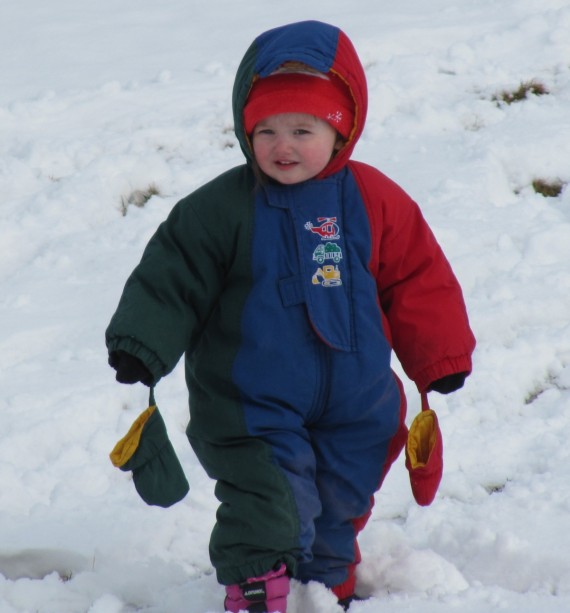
{"type": "Point", "coordinates": [301, 131]}
{"type": "Point", "coordinates": [263, 131]}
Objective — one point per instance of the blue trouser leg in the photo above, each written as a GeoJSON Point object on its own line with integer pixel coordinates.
{"type": "Point", "coordinates": [350, 441]}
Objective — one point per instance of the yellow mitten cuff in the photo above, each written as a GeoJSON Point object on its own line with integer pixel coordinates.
{"type": "Point", "coordinates": [421, 438]}
{"type": "Point", "coordinates": [126, 447]}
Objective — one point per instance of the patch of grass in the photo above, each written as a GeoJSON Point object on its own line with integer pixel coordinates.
{"type": "Point", "coordinates": [548, 188]}
{"type": "Point", "coordinates": [550, 382]}
{"type": "Point", "coordinates": [496, 488]}
{"type": "Point", "coordinates": [533, 395]}
{"type": "Point", "coordinates": [139, 197]}
{"type": "Point", "coordinates": [523, 91]}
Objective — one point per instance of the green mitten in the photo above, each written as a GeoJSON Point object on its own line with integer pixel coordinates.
{"type": "Point", "coordinates": [147, 451]}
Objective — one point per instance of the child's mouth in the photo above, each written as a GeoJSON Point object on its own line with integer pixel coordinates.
{"type": "Point", "coordinates": [285, 163]}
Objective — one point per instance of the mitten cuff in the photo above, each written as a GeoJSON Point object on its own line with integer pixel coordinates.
{"type": "Point", "coordinates": [144, 354]}
{"type": "Point", "coordinates": [448, 366]}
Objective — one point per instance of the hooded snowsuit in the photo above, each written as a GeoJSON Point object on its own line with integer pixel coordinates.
{"type": "Point", "coordinates": [287, 302]}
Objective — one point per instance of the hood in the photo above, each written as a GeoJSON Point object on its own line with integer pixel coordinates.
{"type": "Point", "coordinates": [319, 45]}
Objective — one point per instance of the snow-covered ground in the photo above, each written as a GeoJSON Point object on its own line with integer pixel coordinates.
{"type": "Point", "coordinates": [102, 100]}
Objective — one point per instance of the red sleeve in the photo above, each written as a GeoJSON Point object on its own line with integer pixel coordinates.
{"type": "Point", "coordinates": [420, 296]}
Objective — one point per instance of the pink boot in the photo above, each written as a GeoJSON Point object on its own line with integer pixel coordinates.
{"type": "Point", "coordinates": [265, 594]}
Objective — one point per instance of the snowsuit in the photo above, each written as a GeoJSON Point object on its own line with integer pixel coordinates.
{"type": "Point", "coordinates": [287, 301]}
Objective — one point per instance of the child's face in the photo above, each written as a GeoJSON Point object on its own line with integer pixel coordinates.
{"type": "Point", "coordinates": [293, 147]}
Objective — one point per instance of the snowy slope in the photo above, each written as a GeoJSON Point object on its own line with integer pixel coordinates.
{"type": "Point", "coordinates": [101, 101]}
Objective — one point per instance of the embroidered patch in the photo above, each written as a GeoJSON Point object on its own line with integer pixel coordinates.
{"type": "Point", "coordinates": [328, 251]}
{"type": "Point", "coordinates": [327, 276]}
{"type": "Point", "coordinates": [328, 230]}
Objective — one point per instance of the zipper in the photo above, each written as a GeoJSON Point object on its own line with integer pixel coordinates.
{"type": "Point", "coordinates": [322, 385]}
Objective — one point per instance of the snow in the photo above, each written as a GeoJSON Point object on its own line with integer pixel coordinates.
{"type": "Point", "coordinates": [99, 101]}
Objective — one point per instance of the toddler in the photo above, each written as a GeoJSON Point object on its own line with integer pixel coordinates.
{"type": "Point", "coordinates": [286, 282]}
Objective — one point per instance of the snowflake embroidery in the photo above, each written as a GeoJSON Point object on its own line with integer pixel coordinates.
{"type": "Point", "coordinates": [336, 116]}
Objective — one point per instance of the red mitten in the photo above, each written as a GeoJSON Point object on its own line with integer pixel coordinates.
{"type": "Point", "coordinates": [424, 455]}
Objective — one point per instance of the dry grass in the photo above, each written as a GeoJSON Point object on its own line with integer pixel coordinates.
{"type": "Point", "coordinates": [523, 91]}
{"type": "Point", "coordinates": [548, 187]}
{"type": "Point", "coordinates": [139, 197]}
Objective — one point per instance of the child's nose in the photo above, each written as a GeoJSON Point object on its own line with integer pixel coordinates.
{"type": "Point", "coordinates": [283, 143]}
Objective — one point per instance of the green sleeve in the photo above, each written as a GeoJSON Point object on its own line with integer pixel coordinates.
{"type": "Point", "coordinates": [169, 296]}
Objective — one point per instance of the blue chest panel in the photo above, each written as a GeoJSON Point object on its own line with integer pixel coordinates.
{"type": "Point", "coordinates": [322, 280]}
